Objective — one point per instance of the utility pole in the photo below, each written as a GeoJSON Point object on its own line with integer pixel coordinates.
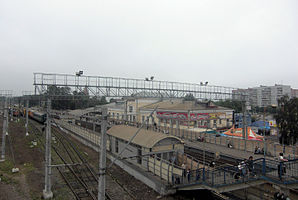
{"type": "Point", "coordinates": [264, 131]}
{"type": "Point", "coordinates": [102, 156]}
{"type": "Point", "coordinates": [5, 125]}
{"type": "Point", "coordinates": [47, 193]}
{"type": "Point", "coordinates": [27, 106]}
{"type": "Point", "coordinates": [125, 111]}
{"type": "Point", "coordinates": [9, 109]}
{"type": "Point", "coordinates": [94, 119]}
{"type": "Point", "coordinates": [7, 115]}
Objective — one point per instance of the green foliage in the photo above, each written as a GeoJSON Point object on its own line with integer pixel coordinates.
{"type": "Point", "coordinates": [267, 110]}
{"type": "Point", "coordinates": [287, 119]}
{"type": "Point", "coordinates": [235, 105]}
{"type": "Point", "coordinates": [6, 166]}
{"type": "Point", "coordinates": [63, 98]}
{"type": "Point", "coordinates": [113, 100]}
{"type": "Point", "coordinates": [189, 97]}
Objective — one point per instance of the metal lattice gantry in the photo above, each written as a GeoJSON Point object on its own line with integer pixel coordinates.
{"type": "Point", "coordinates": [125, 87]}
{"type": "Point", "coordinates": [5, 93]}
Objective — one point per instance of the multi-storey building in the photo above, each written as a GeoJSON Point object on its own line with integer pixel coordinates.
{"type": "Point", "coordinates": [264, 95]}
{"type": "Point", "coordinates": [295, 93]}
{"type": "Point", "coordinates": [128, 109]}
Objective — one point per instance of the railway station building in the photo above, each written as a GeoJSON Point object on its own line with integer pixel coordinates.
{"type": "Point", "coordinates": [174, 112]}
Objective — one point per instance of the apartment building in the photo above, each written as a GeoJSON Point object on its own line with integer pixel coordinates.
{"type": "Point", "coordinates": [264, 95]}
{"type": "Point", "coordinates": [295, 93]}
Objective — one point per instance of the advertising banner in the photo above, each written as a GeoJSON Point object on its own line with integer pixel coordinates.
{"type": "Point", "coordinates": [193, 116]}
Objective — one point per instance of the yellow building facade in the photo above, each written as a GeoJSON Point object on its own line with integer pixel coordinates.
{"type": "Point", "coordinates": [172, 113]}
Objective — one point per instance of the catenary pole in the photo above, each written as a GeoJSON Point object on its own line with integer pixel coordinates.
{"type": "Point", "coordinates": [47, 193]}
{"type": "Point", "coordinates": [27, 106]}
{"type": "Point", "coordinates": [102, 156]}
{"type": "Point", "coordinates": [4, 130]}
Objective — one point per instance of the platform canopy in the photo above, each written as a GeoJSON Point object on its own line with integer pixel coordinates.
{"type": "Point", "coordinates": [144, 138]}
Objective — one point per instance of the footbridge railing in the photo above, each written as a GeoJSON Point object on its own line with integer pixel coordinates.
{"type": "Point", "coordinates": [284, 173]}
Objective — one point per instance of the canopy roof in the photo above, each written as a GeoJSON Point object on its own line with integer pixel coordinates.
{"type": "Point", "coordinates": [144, 138]}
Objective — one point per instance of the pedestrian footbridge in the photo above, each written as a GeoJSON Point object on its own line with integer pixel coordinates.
{"type": "Point", "coordinates": [229, 178]}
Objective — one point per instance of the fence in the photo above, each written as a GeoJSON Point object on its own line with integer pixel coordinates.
{"type": "Point", "coordinates": [271, 148]}
{"type": "Point", "coordinates": [173, 173]}
{"type": "Point", "coordinates": [262, 169]}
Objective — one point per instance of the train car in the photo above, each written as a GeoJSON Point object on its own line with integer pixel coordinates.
{"type": "Point", "coordinates": [37, 116]}
{"type": "Point", "coordinates": [15, 113]}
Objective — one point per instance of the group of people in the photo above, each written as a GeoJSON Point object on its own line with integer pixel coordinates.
{"type": "Point", "coordinates": [245, 168]}
{"type": "Point", "coordinates": [186, 172]}
{"type": "Point", "coordinates": [258, 150]}
{"type": "Point", "coordinates": [280, 196]}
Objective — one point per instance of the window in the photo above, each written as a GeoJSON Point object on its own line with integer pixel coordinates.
{"type": "Point", "coordinates": [143, 118]}
{"type": "Point", "coordinates": [130, 109]}
{"type": "Point", "coordinates": [117, 115]}
{"type": "Point", "coordinates": [134, 118]}
{"type": "Point", "coordinates": [113, 115]}
{"type": "Point", "coordinates": [219, 121]}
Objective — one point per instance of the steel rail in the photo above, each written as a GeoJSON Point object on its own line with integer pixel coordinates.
{"type": "Point", "coordinates": [76, 176]}
{"type": "Point", "coordinates": [59, 170]}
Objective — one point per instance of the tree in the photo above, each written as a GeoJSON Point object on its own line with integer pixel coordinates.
{"type": "Point", "coordinates": [267, 109]}
{"type": "Point", "coordinates": [63, 98]}
{"type": "Point", "coordinates": [287, 120]}
{"type": "Point", "coordinates": [235, 105]}
{"type": "Point", "coordinates": [60, 96]}
{"type": "Point", "coordinates": [189, 97]}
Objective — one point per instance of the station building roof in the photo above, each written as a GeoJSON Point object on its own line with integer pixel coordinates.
{"type": "Point", "coordinates": [144, 138]}
{"type": "Point", "coordinates": [80, 112]}
{"type": "Point", "coordinates": [116, 105]}
{"type": "Point", "coordinates": [182, 106]}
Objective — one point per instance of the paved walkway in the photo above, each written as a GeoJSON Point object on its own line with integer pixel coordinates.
{"type": "Point", "coordinates": [224, 150]}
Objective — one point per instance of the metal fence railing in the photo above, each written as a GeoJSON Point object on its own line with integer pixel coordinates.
{"type": "Point", "coordinates": [285, 172]}
{"type": "Point", "coordinates": [271, 148]}
{"type": "Point", "coordinates": [260, 169]}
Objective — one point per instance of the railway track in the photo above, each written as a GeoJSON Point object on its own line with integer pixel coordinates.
{"type": "Point", "coordinates": [78, 175]}
{"type": "Point", "coordinates": [210, 156]}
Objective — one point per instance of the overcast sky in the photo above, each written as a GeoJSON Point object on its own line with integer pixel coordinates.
{"type": "Point", "coordinates": [234, 43]}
